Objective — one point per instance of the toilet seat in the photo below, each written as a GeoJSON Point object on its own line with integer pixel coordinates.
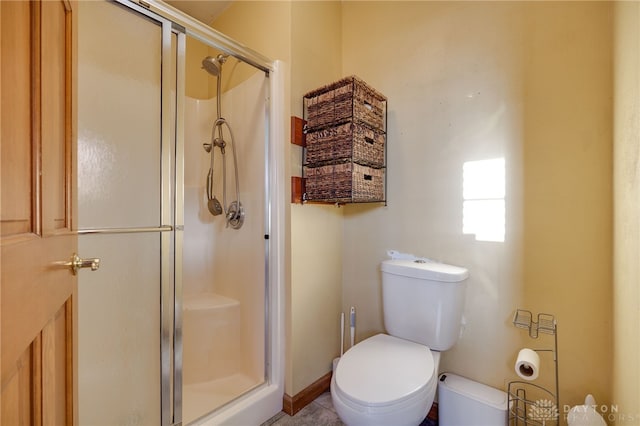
{"type": "Point", "coordinates": [384, 370]}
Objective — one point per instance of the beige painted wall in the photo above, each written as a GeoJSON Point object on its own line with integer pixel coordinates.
{"type": "Point", "coordinates": [470, 81]}
{"type": "Point", "coordinates": [626, 292]}
{"type": "Point", "coordinates": [466, 81]}
{"type": "Point", "coordinates": [197, 80]}
{"type": "Point", "coordinates": [316, 230]}
{"type": "Point", "coordinates": [568, 179]}
{"type": "Point", "coordinates": [453, 75]}
{"type": "Point", "coordinates": [264, 26]}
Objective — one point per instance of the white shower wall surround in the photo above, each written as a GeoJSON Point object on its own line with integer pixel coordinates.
{"type": "Point", "coordinates": [223, 268]}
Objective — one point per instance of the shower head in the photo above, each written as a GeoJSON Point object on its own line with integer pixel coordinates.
{"type": "Point", "coordinates": [214, 65]}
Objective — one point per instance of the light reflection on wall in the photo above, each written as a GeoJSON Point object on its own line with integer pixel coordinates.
{"type": "Point", "coordinates": [483, 190]}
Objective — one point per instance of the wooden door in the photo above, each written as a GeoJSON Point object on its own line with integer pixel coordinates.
{"type": "Point", "coordinates": [37, 291]}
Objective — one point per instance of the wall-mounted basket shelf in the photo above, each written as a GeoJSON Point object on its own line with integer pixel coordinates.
{"type": "Point", "coordinates": [344, 154]}
{"type": "Point", "coordinates": [529, 403]}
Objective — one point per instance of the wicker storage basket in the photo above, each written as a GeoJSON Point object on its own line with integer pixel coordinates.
{"type": "Point", "coordinates": [346, 99]}
{"type": "Point", "coordinates": [344, 182]}
{"type": "Point", "coordinates": [346, 141]}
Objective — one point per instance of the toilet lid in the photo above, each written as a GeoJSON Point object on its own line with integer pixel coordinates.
{"type": "Point", "coordinates": [384, 369]}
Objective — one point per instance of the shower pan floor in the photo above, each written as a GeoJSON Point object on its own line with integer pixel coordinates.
{"type": "Point", "coordinates": [201, 398]}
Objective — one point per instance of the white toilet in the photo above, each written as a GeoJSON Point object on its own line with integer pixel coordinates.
{"type": "Point", "coordinates": [391, 379]}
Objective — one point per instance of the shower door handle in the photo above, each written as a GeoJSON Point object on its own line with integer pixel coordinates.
{"type": "Point", "coordinates": [77, 262]}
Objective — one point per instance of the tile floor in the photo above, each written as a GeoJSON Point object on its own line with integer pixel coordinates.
{"type": "Point", "coordinates": [319, 413]}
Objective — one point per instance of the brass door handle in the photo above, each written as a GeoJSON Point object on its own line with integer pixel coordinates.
{"type": "Point", "coordinates": [76, 263]}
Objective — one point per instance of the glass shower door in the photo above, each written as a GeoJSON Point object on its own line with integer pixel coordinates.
{"type": "Point", "coordinates": [130, 209]}
{"type": "Point", "coordinates": [123, 174]}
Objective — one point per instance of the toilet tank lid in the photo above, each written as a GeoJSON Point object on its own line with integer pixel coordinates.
{"type": "Point", "coordinates": [477, 391]}
{"type": "Point", "coordinates": [425, 270]}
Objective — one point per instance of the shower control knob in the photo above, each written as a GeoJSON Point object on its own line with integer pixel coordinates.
{"type": "Point", "coordinates": [235, 215]}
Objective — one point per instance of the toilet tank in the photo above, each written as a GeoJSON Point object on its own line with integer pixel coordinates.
{"type": "Point", "coordinates": [423, 301]}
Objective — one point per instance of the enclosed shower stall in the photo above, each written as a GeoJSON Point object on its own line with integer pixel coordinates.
{"type": "Point", "coordinates": [183, 321]}
{"type": "Point", "coordinates": [224, 248]}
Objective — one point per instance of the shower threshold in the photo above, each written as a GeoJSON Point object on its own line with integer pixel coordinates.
{"type": "Point", "coordinates": [200, 399]}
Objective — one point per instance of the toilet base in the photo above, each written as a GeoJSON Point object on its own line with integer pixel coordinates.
{"type": "Point", "coordinates": [406, 413]}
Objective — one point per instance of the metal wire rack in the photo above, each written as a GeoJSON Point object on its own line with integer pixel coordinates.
{"type": "Point", "coordinates": [524, 319]}
{"type": "Point", "coordinates": [531, 404]}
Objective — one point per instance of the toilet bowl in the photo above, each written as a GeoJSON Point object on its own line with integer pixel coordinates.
{"type": "Point", "coordinates": [391, 379]}
{"type": "Point", "coordinates": [385, 380]}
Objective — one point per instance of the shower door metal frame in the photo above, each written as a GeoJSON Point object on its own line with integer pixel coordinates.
{"type": "Point", "coordinates": [210, 37]}
{"type": "Point", "coordinates": [171, 170]}
{"type": "Point", "coordinates": [176, 373]}
{"type": "Point", "coordinates": [174, 22]}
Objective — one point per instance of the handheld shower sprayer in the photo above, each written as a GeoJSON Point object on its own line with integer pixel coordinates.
{"type": "Point", "coordinates": [233, 212]}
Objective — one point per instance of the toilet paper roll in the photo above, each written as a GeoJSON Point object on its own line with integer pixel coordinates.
{"type": "Point", "coordinates": [528, 364]}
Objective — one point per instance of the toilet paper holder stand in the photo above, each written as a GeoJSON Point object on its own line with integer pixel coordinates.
{"type": "Point", "coordinates": [529, 403]}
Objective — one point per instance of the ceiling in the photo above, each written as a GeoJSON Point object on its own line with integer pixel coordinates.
{"type": "Point", "coordinates": [203, 10]}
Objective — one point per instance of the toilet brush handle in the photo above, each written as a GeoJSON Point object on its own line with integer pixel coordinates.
{"type": "Point", "coordinates": [341, 333]}
{"type": "Point", "coordinates": [352, 315]}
